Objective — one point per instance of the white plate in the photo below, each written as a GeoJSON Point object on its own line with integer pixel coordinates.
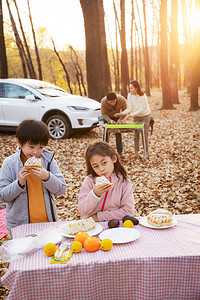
{"type": "Point", "coordinates": [144, 222]}
{"type": "Point", "coordinates": [94, 231]}
{"type": "Point", "coordinates": [120, 235]}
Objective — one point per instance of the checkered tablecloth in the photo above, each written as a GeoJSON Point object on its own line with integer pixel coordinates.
{"type": "Point", "coordinates": [160, 264]}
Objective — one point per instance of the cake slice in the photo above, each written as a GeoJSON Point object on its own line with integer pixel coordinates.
{"type": "Point", "coordinates": [160, 217]}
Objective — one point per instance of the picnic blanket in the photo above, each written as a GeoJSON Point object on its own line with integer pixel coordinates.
{"type": "Point", "coordinates": [3, 229]}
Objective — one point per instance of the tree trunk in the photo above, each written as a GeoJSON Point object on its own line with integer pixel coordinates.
{"type": "Point", "coordinates": [29, 59]}
{"type": "Point", "coordinates": [195, 63]}
{"type": "Point", "coordinates": [166, 97]}
{"type": "Point", "coordinates": [174, 52]}
{"type": "Point", "coordinates": [98, 72]}
{"type": "Point", "coordinates": [63, 65]}
{"type": "Point", "coordinates": [132, 37]}
{"type": "Point", "coordinates": [124, 56]}
{"type": "Point", "coordinates": [20, 47]}
{"type": "Point", "coordinates": [35, 44]}
{"type": "Point", "coordinates": [117, 29]}
{"type": "Point", "coordinates": [136, 54]}
{"type": "Point", "coordinates": [3, 57]}
{"type": "Point", "coordinates": [146, 54]}
{"type": "Point", "coordinates": [186, 49]}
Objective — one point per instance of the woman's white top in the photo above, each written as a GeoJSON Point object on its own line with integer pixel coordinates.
{"type": "Point", "coordinates": [139, 104]}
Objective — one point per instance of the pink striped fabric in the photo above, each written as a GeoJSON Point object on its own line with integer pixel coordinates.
{"type": "Point", "coordinates": [3, 229]}
{"type": "Point", "coordinates": [161, 264]}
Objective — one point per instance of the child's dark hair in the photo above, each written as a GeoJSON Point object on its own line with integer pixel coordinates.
{"type": "Point", "coordinates": [103, 149]}
{"type": "Point", "coordinates": [33, 132]}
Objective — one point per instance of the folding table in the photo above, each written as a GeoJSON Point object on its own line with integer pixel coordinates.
{"type": "Point", "coordinates": [125, 128]}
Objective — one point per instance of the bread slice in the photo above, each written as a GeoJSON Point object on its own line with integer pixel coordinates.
{"type": "Point", "coordinates": [102, 180]}
{"type": "Point", "coordinates": [33, 162]}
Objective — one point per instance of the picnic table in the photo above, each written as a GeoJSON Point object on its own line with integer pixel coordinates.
{"type": "Point", "coordinates": [160, 264]}
{"type": "Point", "coordinates": [122, 128]}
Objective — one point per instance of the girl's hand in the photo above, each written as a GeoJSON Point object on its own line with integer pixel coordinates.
{"type": "Point", "coordinates": [40, 173]}
{"type": "Point", "coordinates": [95, 218]}
{"type": "Point", "coordinates": [23, 174]}
{"type": "Point", "coordinates": [99, 190]}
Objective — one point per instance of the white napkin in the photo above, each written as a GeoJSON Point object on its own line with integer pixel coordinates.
{"type": "Point", "coordinates": [17, 248]}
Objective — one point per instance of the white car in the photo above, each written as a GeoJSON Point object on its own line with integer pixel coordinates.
{"type": "Point", "coordinates": [34, 99]}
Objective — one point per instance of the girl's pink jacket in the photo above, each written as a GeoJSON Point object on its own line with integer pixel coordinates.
{"type": "Point", "coordinates": [119, 202]}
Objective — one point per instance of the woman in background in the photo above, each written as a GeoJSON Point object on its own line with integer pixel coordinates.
{"type": "Point", "coordinates": [138, 101]}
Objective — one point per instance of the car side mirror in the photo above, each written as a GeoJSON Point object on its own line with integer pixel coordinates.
{"type": "Point", "coordinates": [30, 97]}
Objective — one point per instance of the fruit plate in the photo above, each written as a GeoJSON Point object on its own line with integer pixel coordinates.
{"type": "Point", "coordinates": [120, 235]}
{"type": "Point", "coordinates": [144, 222]}
{"type": "Point", "coordinates": [94, 231]}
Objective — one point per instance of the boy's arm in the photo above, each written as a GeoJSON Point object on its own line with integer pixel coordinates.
{"type": "Point", "coordinates": [9, 189]}
{"type": "Point", "coordinates": [87, 200]}
{"type": "Point", "coordinates": [56, 183]}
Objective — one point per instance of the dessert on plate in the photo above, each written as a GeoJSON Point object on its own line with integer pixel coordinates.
{"type": "Point", "coordinates": [102, 180]}
{"type": "Point", "coordinates": [33, 162]}
{"type": "Point", "coordinates": [160, 217]}
{"type": "Point", "coordinates": [74, 227]}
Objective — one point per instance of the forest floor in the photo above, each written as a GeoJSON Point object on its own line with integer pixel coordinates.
{"type": "Point", "coordinates": [169, 179]}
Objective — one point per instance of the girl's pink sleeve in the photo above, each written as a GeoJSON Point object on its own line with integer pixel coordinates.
{"type": "Point", "coordinates": [127, 205]}
{"type": "Point", "coordinates": [87, 200]}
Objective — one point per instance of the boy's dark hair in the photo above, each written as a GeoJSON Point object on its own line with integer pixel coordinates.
{"type": "Point", "coordinates": [111, 96]}
{"type": "Point", "coordinates": [103, 149]}
{"type": "Point", "coordinates": [33, 132]}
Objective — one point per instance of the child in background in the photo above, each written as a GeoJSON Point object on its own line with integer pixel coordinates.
{"type": "Point", "coordinates": [104, 203]}
{"type": "Point", "coordinates": [28, 192]}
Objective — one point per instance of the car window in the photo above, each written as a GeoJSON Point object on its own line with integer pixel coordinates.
{"type": "Point", "coordinates": [1, 90]}
{"type": "Point", "coordinates": [52, 92]}
{"type": "Point", "coordinates": [15, 91]}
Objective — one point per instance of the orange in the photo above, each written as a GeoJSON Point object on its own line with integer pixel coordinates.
{"type": "Point", "coordinates": [128, 223]}
{"type": "Point", "coordinates": [92, 244]}
{"type": "Point", "coordinates": [50, 249]}
{"type": "Point", "coordinates": [76, 247]}
{"type": "Point", "coordinates": [81, 237]}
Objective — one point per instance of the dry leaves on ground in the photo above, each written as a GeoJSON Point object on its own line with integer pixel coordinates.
{"type": "Point", "coordinates": [169, 179]}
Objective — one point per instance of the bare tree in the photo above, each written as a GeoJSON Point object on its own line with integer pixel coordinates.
{"type": "Point", "coordinates": [3, 57]}
{"type": "Point", "coordinates": [174, 52]}
{"type": "Point", "coordinates": [166, 97]}
{"type": "Point", "coordinates": [98, 72]}
{"type": "Point", "coordinates": [195, 63]}
{"type": "Point", "coordinates": [146, 53]}
{"type": "Point", "coordinates": [63, 65]}
{"type": "Point", "coordinates": [29, 59]}
{"type": "Point", "coordinates": [35, 43]}
{"type": "Point", "coordinates": [78, 71]}
{"type": "Point", "coordinates": [20, 47]}
{"type": "Point", "coordinates": [124, 56]}
{"type": "Point", "coordinates": [132, 38]}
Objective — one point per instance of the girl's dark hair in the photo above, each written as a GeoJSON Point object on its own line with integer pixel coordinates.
{"type": "Point", "coordinates": [103, 149]}
{"type": "Point", "coordinates": [33, 132]}
{"type": "Point", "coordinates": [136, 84]}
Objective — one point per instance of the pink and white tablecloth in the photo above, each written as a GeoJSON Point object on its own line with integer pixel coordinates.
{"type": "Point", "coordinates": [161, 264]}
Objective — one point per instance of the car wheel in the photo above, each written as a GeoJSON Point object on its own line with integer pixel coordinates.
{"type": "Point", "coordinates": [59, 127]}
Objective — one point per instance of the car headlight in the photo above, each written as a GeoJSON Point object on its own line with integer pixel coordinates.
{"type": "Point", "coordinates": [80, 108]}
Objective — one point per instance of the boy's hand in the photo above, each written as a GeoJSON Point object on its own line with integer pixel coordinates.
{"type": "Point", "coordinates": [23, 174]}
{"type": "Point", "coordinates": [40, 173]}
{"type": "Point", "coordinates": [99, 190]}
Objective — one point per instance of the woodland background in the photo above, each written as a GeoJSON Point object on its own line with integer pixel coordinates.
{"type": "Point", "coordinates": [165, 60]}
